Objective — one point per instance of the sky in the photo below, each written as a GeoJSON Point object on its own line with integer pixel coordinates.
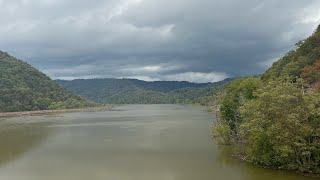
{"type": "Point", "coordinates": [183, 40]}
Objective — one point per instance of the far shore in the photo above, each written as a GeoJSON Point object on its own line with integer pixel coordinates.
{"type": "Point", "coordinates": [55, 111]}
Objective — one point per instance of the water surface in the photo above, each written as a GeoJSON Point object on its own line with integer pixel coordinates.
{"type": "Point", "coordinates": [135, 142]}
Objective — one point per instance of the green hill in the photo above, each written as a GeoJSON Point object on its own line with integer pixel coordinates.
{"type": "Point", "coordinates": [292, 65]}
{"type": "Point", "coordinates": [132, 91]}
{"type": "Point", "coordinates": [24, 88]}
{"type": "Point", "coordinates": [274, 119]}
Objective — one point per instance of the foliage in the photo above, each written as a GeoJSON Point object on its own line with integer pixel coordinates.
{"type": "Point", "coordinates": [275, 119]}
{"type": "Point", "coordinates": [311, 75]}
{"type": "Point", "coordinates": [307, 52]}
{"type": "Point", "coordinates": [279, 129]}
{"type": "Point", "coordinates": [237, 93]}
{"type": "Point", "coordinates": [24, 88]}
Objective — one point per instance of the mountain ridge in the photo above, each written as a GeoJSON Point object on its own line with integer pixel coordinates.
{"type": "Point", "coordinates": [133, 91]}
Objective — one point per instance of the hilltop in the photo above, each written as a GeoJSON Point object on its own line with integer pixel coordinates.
{"type": "Point", "coordinates": [302, 62]}
{"type": "Point", "coordinates": [24, 88]}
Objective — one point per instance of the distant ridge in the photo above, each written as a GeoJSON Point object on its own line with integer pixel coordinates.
{"type": "Point", "coordinates": [133, 91]}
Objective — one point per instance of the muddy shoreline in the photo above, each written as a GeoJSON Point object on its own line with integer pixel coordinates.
{"type": "Point", "coordinates": [57, 111]}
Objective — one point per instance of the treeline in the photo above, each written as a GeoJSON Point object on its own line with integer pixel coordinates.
{"type": "Point", "coordinates": [24, 88]}
{"type": "Point", "coordinates": [274, 119]}
{"type": "Point", "coordinates": [132, 91]}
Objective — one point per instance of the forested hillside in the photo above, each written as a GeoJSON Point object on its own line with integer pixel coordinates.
{"type": "Point", "coordinates": [293, 64]}
{"type": "Point", "coordinates": [132, 91]}
{"type": "Point", "coordinates": [274, 119]}
{"type": "Point", "coordinates": [24, 88]}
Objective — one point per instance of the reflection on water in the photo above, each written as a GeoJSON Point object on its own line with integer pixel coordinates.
{"type": "Point", "coordinates": [137, 142]}
{"type": "Point", "coordinates": [251, 172]}
{"type": "Point", "coordinates": [18, 136]}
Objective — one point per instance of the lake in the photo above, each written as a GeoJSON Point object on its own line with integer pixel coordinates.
{"type": "Point", "coordinates": [132, 142]}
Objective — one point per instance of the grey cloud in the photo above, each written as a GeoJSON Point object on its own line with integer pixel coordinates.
{"type": "Point", "coordinates": [196, 40]}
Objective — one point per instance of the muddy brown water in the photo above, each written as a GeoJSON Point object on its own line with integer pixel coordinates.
{"type": "Point", "coordinates": [134, 142]}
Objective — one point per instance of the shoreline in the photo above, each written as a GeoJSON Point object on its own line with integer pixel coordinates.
{"type": "Point", "coordinates": [55, 111]}
{"type": "Point", "coordinates": [245, 160]}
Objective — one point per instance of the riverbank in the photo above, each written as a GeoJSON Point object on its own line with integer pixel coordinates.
{"type": "Point", "coordinates": [56, 111]}
{"type": "Point", "coordinates": [214, 112]}
{"type": "Point", "coordinates": [245, 160]}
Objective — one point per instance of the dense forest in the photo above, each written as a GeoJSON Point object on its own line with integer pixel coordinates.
{"type": "Point", "coordinates": [132, 91]}
{"type": "Point", "coordinates": [274, 119]}
{"type": "Point", "coordinates": [24, 88]}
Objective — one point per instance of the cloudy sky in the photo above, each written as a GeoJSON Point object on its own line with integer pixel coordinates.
{"type": "Point", "coordinates": [193, 40]}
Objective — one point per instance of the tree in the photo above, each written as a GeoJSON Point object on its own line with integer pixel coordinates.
{"type": "Point", "coordinates": [237, 93]}
{"type": "Point", "coordinates": [279, 130]}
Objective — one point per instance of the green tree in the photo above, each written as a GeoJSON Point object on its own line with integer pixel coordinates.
{"type": "Point", "coordinates": [237, 93]}
{"type": "Point", "coordinates": [279, 129]}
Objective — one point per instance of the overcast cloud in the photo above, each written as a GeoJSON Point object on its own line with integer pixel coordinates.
{"type": "Point", "coordinates": [194, 40]}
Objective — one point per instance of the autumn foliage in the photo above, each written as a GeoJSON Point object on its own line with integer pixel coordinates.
{"type": "Point", "coordinates": [311, 75]}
